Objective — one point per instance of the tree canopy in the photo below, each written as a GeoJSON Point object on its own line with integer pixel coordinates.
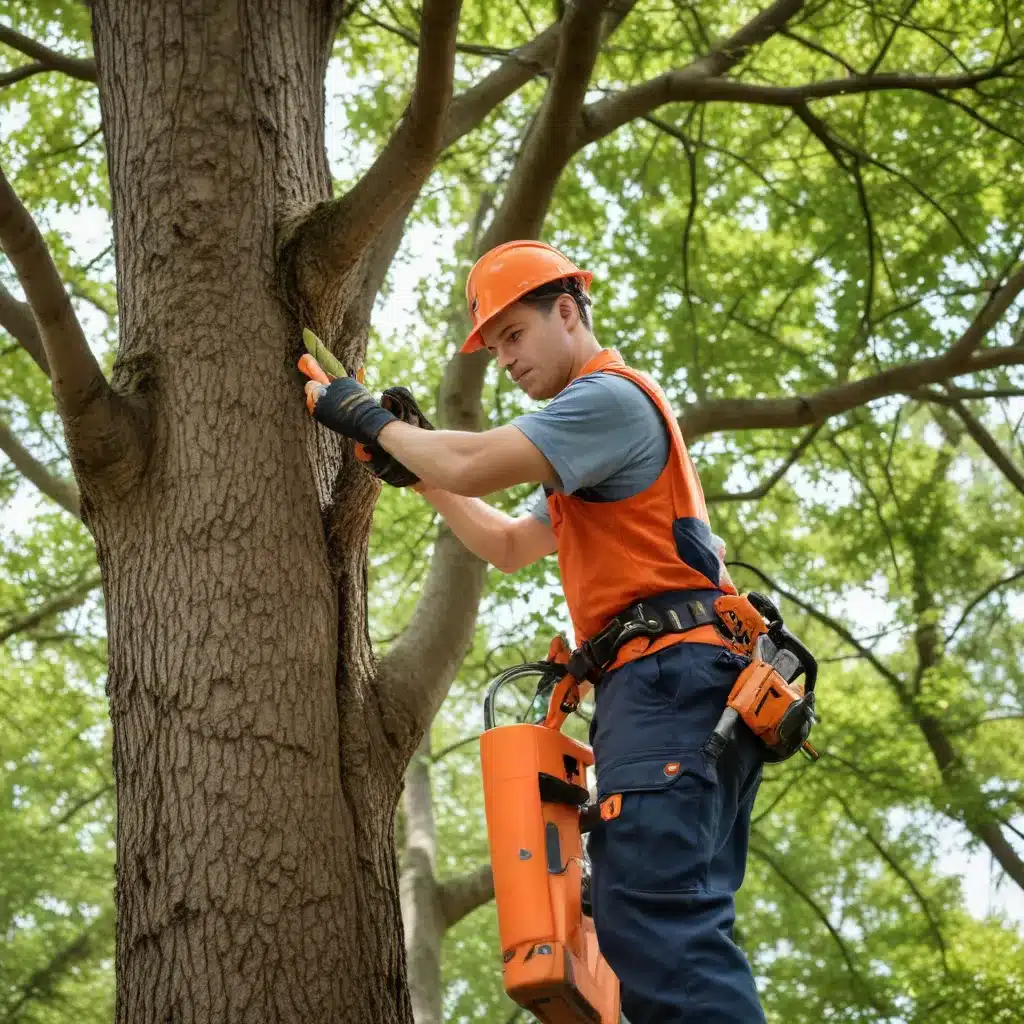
{"type": "Point", "coordinates": [804, 220]}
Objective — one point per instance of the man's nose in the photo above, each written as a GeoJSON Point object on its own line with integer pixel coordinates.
{"type": "Point", "coordinates": [504, 359]}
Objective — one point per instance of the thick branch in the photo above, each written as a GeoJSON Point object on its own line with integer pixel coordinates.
{"type": "Point", "coordinates": [606, 115]}
{"type": "Point", "coordinates": [549, 144]}
{"type": "Point", "coordinates": [469, 108]}
{"type": "Point", "coordinates": [687, 85]}
{"type": "Point", "coordinates": [415, 673]}
{"type": "Point", "coordinates": [728, 414]}
{"type": "Point", "coordinates": [16, 318]}
{"type": "Point", "coordinates": [461, 896]}
{"type": "Point", "coordinates": [64, 492]}
{"type": "Point", "coordinates": [71, 598]}
{"type": "Point", "coordinates": [338, 233]}
{"type": "Point", "coordinates": [47, 59]}
{"type": "Point", "coordinates": [107, 433]}
{"type": "Point", "coordinates": [77, 378]}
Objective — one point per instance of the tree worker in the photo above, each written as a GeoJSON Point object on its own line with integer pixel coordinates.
{"type": "Point", "coordinates": [623, 507]}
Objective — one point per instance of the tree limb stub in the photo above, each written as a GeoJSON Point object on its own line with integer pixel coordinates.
{"type": "Point", "coordinates": [64, 492]}
{"type": "Point", "coordinates": [46, 59]}
{"type": "Point", "coordinates": [461, 896]}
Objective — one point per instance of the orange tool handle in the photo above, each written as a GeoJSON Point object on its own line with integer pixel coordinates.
{"type": "Point", "coordinates": [312, 369]}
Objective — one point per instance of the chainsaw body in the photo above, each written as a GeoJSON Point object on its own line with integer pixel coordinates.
{"type": "Point", "coordinates": [534, 780]}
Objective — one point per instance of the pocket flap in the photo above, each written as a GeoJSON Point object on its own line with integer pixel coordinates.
{"type": "Point", "coordinates": [652, 772]}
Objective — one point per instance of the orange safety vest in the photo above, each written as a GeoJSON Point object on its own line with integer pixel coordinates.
{"type": "Point", "coordinates": [614, 553]}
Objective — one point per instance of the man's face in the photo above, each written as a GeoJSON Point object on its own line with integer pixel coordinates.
{"type": "Point", "coordinates": [535, 347]}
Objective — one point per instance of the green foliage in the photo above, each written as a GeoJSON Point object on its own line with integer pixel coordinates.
{"type": "Point", "coordinates": [736, 257]}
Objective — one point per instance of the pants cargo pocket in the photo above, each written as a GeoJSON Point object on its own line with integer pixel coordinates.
{"type": "Point", "coordinates": [662, 837]}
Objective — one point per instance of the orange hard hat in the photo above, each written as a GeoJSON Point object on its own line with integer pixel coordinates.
{"type": "Point", "coordinates": [506, 273]}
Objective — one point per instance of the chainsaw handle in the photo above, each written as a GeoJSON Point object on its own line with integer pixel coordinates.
{"type": "Point", "coordinates": [549, 672]}
{"type": "Point", "coordinates": [784, 640]}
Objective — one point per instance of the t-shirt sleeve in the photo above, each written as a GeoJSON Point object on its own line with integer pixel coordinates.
{"type": "Point", "coordinates": [538, 507]}
{"type": "Point", "coordinates": [591, 430]}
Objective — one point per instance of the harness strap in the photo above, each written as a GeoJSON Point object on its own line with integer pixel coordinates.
{"type": "Point", "coordinates": [678, 611]}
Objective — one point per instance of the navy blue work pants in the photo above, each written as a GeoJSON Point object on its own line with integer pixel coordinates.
{"type": "Point", "coordinates": [666, 868]}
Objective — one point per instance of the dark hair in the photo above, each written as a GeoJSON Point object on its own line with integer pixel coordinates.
{"type": "Point", "coordinates": [545, 297]}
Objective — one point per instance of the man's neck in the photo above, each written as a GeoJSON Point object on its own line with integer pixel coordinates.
{"type": "Point", "coordinates": [587, 348]}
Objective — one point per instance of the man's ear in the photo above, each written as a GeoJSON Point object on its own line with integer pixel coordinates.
{"type": "Point", "coordinates": [568, 311]}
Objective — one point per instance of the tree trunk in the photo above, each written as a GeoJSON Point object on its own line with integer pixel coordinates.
{"type": "Point", "coordinates": [421, 898]}
{"type": "Point", "coordinates": [256, 876]}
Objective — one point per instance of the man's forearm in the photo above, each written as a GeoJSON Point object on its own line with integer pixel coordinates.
{"type": "Point", "coordinates": [468, 463]}
{"type": "Point", "coordinates": [483, 529]}
{"type": "Point", "coordinates": [438, 457]}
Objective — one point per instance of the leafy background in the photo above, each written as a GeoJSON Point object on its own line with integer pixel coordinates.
{"type": "Point", "coordinates": [736, 256]}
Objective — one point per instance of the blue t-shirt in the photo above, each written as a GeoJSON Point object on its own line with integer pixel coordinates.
{"type": "Point", "coordinates": [601, 433]}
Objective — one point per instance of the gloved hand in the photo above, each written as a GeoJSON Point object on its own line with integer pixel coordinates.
{"type": "Point", "coordinates": [347, 408]}
{"type": "Point", "coordinates": [382, 464]}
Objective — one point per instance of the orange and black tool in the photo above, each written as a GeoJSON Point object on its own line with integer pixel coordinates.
{"type": "Point", "coordinates": [536, 803]}
{"type": "Point", "coordinates": [767, 696]}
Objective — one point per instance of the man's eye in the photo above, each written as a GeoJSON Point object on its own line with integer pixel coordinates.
{"type": "Point", "coordinates": [514, 336]}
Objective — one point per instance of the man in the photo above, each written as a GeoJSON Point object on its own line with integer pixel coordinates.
{"type": "Point", "coordinates": [624, 509]}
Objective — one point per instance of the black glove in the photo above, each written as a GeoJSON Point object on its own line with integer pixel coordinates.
{"type": "Point", "coordinates": [383, 464]}
{"type": "Point", "coordinates": [349, 409]}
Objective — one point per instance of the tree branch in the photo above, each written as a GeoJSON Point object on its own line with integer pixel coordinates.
{"type": "Point", "coordinates": [62, 491]}
{"type": "Point", "coordinates": [974, 602]}
{"type": "Point", "coordinates": [17, 320]}
{"type": "Point", "coordinates": [686, 85]}
{"type": "Point", "coordinates": [776, 865]}
{"type": "Point", "coordinates": [461, 896]}
{"type": "Point", "coordinates": [46, 59]}
{"type": "Point", "coordinates": [549, 145]}
{"type": "Point", "coordinates": [337, 233]}
{"type": "Point", "coordinates": [75, 373]}
{"type": "Point", "coordinates": [988, 444]}
{"type": "Point", "coordinates": [726, 414]}
{"type": "Point", "coordinates": [77, 806]}
{"type": "Point", "coordinates": [765, 486]}
{"type": "Point", "coordinates": [107, 433]}
{"type": "Point", "coordinates": [71, 598]}
{"type": "Point", "coordinates": [45, 980]}
{"type": "Point", "coordinates": [898, 870]}
{"type": "Point", "coordinates": [415, 673]}
{"type": "Point", "coordinates": [827, 620]}
{"type": "Point", "coordinates": [469, 108]}
{"type": "Point", "coordinates": [417, 670]}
